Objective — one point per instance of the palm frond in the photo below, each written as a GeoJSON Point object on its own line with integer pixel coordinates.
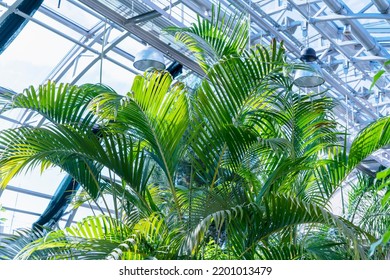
{"type": "Point", "coordinates": [58, 103]}
{"type": "Point", "coordinates": [156, 113]}
{"type": "Point", "coordinates": [371, 138]}
{"type": "Point", "coordinates": [93, 238]}
{"type": "Point", "coordinates": [269, 218]}
{"type": "Point", "coordinates": [212, 39]}
{"type": "Point", "coordinates": [341, 163]}
{"type": "Point", "coordinates": [80, 153]}
{"type": "Point", "coordinates": [280, 252]}
{"type": "Point", "coordinates": [10, 246]}
{"type": "Point", "coordinates": [365, 208]}
{"type": "Point", "coordinates": [227, 103]}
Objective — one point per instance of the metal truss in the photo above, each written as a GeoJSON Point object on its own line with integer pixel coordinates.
{"type": "Point", "coordinates": [350, 44]}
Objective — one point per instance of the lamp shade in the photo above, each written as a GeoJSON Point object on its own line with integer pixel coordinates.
{"type": "Point", "coordinates": [308, 55]}
{"type": "Point", "coordinates": [149, 57]}
{"type": "Point", "coordinates": [308, 76]}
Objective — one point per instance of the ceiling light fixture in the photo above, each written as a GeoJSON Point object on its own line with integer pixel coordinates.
{"type": "Point", "coordinates": [309, 74]}
{"type": "Point", "coordinates": [149, 57]}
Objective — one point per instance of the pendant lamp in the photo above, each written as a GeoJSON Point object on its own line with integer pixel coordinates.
{"type": "Point", "coordinates": [310, 73]}
{"type": "Point", "coordinates": [147, 58]}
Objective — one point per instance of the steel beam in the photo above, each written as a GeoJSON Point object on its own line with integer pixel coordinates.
{"type": "Point", "coordinates": [70, 38]}
{"type": "Point", "coordinates": [147, 37]}
{"type": "Point", "coordinates": [43, 195]}
{"type": "Point", "coordinates": [358, 31]}
{"type": "Point", "coordinates": [328, 30]}
{"type": "Point", "coordinates": [103, 54]}
{"type": "Point", "coordinates": [294, 48]}
{"type": "Point", "coordinates": [164, 12]}
{"type": "Point", "coordinates": [332, 17]}
{"type": "Point", "coordinates": [10, 10]}
{"type": "Point", "coordinates": [383, 6]}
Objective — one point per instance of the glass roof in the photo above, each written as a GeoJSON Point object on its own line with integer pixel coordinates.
{"type": "Point", "coordinates": [95, 41]}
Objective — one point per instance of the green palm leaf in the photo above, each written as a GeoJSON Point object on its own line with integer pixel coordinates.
{"type": "Point", "coordinates": [10, 246]}
{"type": "Point", "coordinates": [105, 238]}
{"type": "Point", "coordinates": [62, 103]}
{"type": "Point", "coordinates": [211, 40]}
{"type": "Point", "coordinates": [229, 105]}
{"type": "Point", "coordinates": [371, 138]}
{"type": "Point", "coordinates": [93, 238]}
{"type": "Point", "coordinates": [341, 163]}
{"type": "Point", "coordinates": [249, 225]}
{"type": "Point", "coordinates": [156, 113]}
{"type": "Point", "coordinates": [81, 153]}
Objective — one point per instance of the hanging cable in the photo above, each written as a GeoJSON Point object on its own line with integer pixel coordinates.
{"type": "Point", "coordinates": [104, 41]}
{"type": "Point", "coordinates": [249, 24]}
{"type": "Point", "coordinates": [307, 23]}
{"type": "Point", "coordinates": [345, 69]}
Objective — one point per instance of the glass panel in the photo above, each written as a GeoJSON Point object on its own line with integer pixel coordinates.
{"type": "Point", "coordinates": [114, 76]}
{"type": "Point", "coordinates": [71, 11]}
{"type": "Point", "coordinates": [46, 182]}
{"type": "Point", "coordinates": [18, 62]}
{"type": "Point", "coordinates": [15, 220]}
{"type": "Point", "coordinates": [23, 201]}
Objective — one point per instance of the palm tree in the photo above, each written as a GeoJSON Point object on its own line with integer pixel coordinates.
{"type": "Point", "coordinates": [242, 168]}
